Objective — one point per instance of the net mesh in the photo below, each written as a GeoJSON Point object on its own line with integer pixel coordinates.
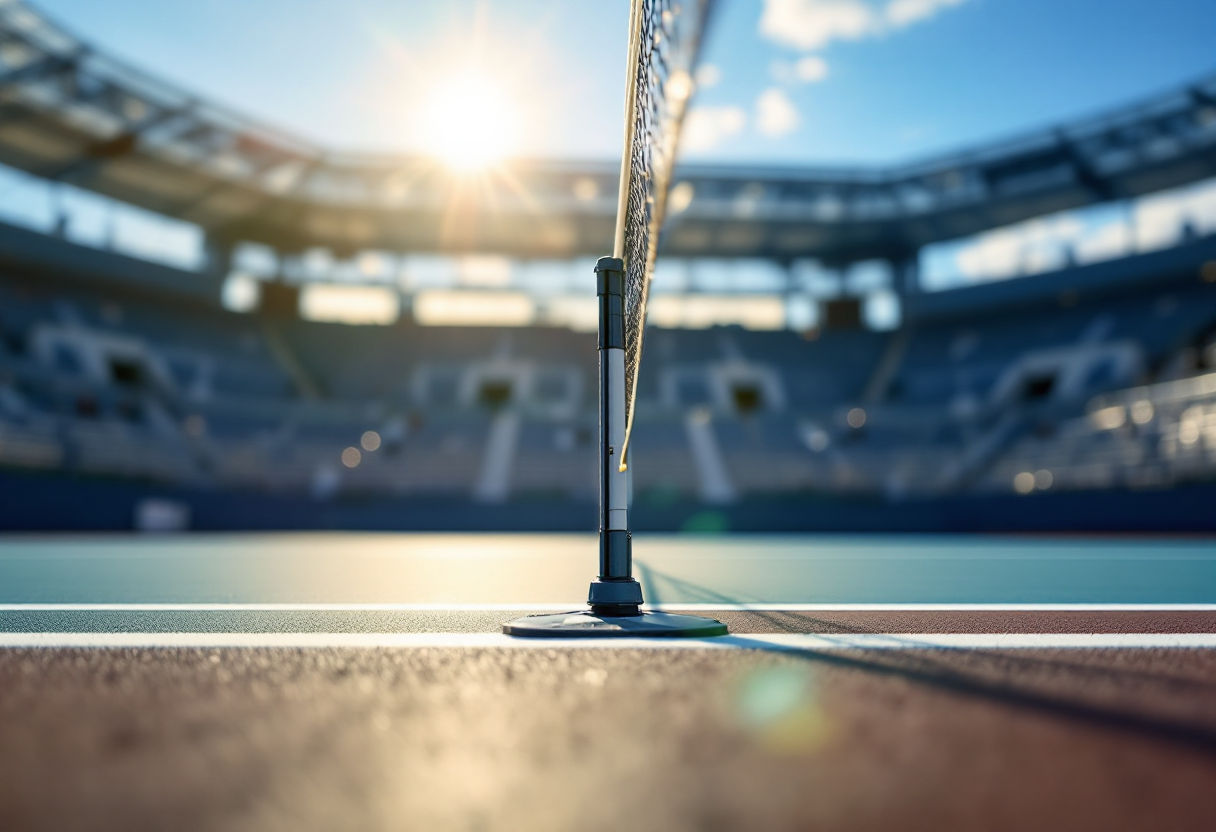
{"type": "Point", "coordinates": [665, 40]}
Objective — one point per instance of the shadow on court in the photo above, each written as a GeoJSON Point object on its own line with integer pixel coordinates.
{"type": "Point", "coordinates": [1161, 705]}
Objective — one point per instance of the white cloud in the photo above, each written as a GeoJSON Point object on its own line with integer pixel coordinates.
{"type": "Point", "coordinates": [901, 13]}
{"type": "Point", "coordinates": [706, 127]}
{"type": "Point", "coordinates": [810, 69]}
{"type": "Point", "coordinates": [708, 75]}
{"type": "Point", "coordinates": [813, 24]}
{"type": "Point", "coordinates": [806, 70]}
{"type": "Point", "coordinates": [776, 115]}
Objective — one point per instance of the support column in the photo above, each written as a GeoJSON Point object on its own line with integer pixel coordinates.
{"type": "Point", "coordinates": [217, 264]}
{"type": "Point", "coordinates": [905, 280]}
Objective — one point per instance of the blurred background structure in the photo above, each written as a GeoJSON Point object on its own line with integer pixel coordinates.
{"type": "Point", "coordinates": [208, 323]}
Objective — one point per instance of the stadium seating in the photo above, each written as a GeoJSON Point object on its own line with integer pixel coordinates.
{"type": "Point", "coordinates": [149, 389]}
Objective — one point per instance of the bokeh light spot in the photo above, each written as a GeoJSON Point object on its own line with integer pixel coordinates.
{"type": "Point", "coordinates": [779, 708]}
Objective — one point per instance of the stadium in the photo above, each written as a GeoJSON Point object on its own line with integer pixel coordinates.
{"type": "Point", "coordinates": [210, 324]}
{"type": "Point", "coordinates": [127, 383]}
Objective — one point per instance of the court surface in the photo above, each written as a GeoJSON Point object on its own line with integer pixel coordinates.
{"type": "Point", "coordinates": [359, 681]}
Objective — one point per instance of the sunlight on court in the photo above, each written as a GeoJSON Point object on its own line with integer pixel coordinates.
{"type": "Point", "coordinates": [471, 123]}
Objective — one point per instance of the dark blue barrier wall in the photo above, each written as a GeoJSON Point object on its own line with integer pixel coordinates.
{"type": "Point", "coordinates": [34, 502]}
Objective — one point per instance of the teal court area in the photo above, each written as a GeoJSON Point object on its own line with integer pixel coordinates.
{"type": "Point", "coordinates": [523, 570]}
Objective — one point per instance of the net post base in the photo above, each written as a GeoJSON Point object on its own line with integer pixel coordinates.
{"type": "Point", "coordinates": [615, 597]}
{"type": "Point", "coordinates": [587, 624]}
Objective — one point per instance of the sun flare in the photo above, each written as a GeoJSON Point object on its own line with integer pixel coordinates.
{"type": "Point", "coordinates": [471, 123]}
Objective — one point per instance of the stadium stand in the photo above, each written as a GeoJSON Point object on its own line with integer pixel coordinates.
{"type": "Point", "coordinates": [1111, 390]}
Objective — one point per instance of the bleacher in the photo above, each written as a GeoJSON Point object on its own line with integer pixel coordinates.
{"type": "Point", "coordinates": [142, 388]}
{"type": "Point", "coordinates": [1154, 436]}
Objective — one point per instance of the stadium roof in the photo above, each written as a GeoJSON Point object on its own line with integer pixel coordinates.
{"type": "Point", "coordinates": [69, 113]}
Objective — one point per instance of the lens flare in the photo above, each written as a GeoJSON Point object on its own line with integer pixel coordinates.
{"type": "Point", "coordinates": [471, 123]}
{"type": "Point", "coordinates": [778, 706]}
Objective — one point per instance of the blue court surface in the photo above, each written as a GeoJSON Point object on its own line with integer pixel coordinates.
{"type": "Point", "coordinates": [553, 570]}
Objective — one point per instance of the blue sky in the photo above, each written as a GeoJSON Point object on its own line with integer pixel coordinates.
{"type": "Point", "coordinates": [803, 81]}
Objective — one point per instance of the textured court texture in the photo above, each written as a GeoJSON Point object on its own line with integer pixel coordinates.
{"type": "Point", "coordinates": [564, 739]}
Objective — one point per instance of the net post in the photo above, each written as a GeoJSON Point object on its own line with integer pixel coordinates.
{"type": "Point", "coordinates": [615, 597]}
{"type": "Point", "coordinates": [615, 592]}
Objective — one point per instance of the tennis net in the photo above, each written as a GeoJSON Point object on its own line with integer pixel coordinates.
{"type": "Point", "coordinates": [665, 38]}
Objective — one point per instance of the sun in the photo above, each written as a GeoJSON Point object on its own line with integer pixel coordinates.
{"type": "Point", "coordinates": [470, 122]}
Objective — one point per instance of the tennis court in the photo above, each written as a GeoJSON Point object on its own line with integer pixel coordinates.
{"type": "Point", "coordinates": [362, 681]}
{"type": "Point", "coordinates": [342, 680]}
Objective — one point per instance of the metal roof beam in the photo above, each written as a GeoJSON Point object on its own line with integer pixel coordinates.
{"type": "Point", "coordinates": [47, 67]}
{"type": "Point", "coordinates": [98, 154]}
{"type": "Point", "coordinates": [1099, 188]}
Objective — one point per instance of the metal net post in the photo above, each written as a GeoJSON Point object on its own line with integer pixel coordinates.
{"type": "Point", "coordinates": [615, 592]}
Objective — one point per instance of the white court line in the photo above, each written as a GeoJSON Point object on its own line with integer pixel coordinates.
{"type": "Point", "coordinates": [573, 605]}
{"type": "Point", "coordinates": [781, 642]}
{"type": "Point", "coordinates": [223, 607]}
{"type": "Point", "coordinates": [943, 607]}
